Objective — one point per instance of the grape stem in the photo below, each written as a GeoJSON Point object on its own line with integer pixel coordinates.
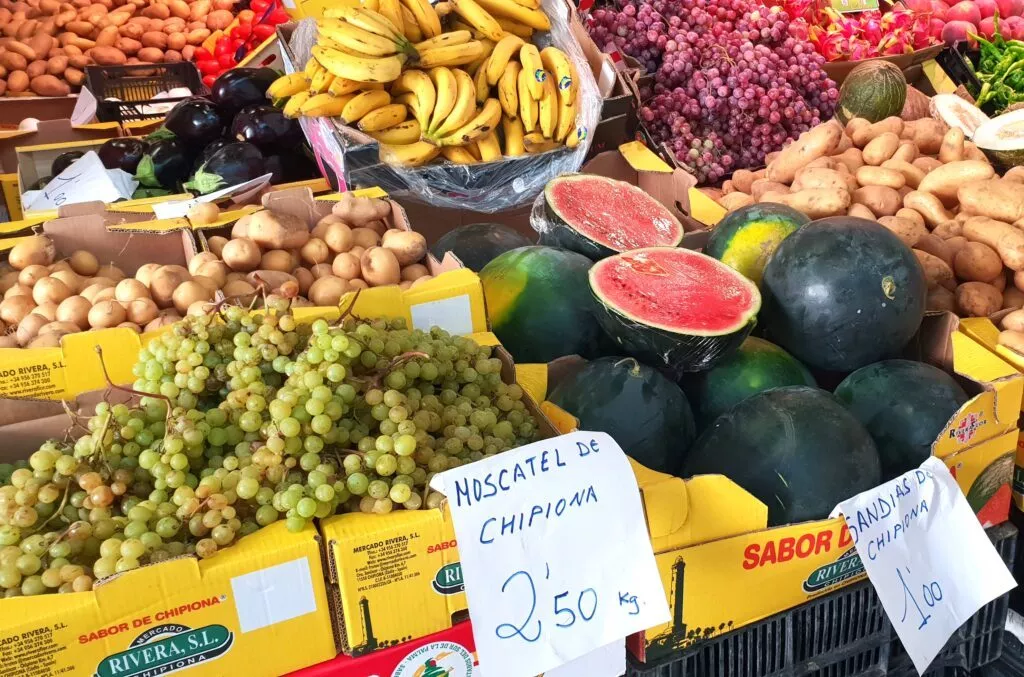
{"type": "Point", "coordinates": [348, 311]}
{"type": "Point", "coordinates": [133, 391]}
{"type": "Point", "coordinates": [58, 511]}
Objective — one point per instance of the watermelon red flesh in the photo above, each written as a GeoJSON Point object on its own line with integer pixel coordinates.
{"type": "Point", "coordinates": [676, 290]}
{"type": "Point", "coordinates": [613, 214]}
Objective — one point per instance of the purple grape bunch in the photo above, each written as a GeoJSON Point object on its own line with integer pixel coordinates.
{"type": "Point", "coordinates": [730, 82]}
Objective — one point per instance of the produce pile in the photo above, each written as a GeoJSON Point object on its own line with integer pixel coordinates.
{"type": "Point", "coordinates": [252, 27]}
{"type": "Point", "coordinates": [440, 80]}
{"type": "Point", "coordinates": [252, 418]}
{"type": "Point", "coordinates": [999, 71]}
{"type": "Point", "coordinates": [864, 35]}
{"type": "Point", "coordinates": [731, 80]}
{"type": "Point", "coordinates": [47, 44]}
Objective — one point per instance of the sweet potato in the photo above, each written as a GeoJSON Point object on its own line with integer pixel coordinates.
{"type": "Point", "coordinates": [1004, 238]}
{"type": "Point", "coordinates": [995, 198]}
{"type": "Point", "coordinates": [812, 144]}
{"type": "Point", "coordinates": [944, 182]}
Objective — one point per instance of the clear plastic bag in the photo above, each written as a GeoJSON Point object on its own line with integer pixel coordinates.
{"type": "Point", "coordinates": [487, 187]}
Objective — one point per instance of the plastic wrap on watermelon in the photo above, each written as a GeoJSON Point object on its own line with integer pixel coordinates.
{"type": "Point", "coordinates": [485, 187]}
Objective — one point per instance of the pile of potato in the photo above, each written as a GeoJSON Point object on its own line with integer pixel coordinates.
{"type": "Point", "coordinates": [47, 44]}
{"type": "Point", "coordinates": [351, 248]}
{"type": "Point", "coordinates": [45, 298]}
{"type": "Point", "coordinates": [923, 181]}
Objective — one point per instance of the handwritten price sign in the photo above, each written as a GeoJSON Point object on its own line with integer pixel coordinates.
{"type": "Point", "coordinates": [927, 556]}
{"type": "Point", "coordinates": [555, 555]}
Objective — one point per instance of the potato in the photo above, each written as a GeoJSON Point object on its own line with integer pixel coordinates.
{"type": "Point", "coordinates": [816, 203]}
{"type": "Point", "coordinates": [881, 148]}
{"type": "Point", "coordinates": [936, 272]}
{"type": "Point", "coordinates": [408, 247]}
{"type": "Point", "coordinates": [277, 231]}
{"type": "Point", "coordinates": [49, 85]}
{"type": "Point", "coordinates": [277, 259]}
{"type": "Point", "coordinates": [999, 282]}
{"type": "Point", "coordinates": [346, 266]}
{"type": "Point", "coordinates": [944, 182]}
{"type": "Point", "coordinates": [380, 267]}
{"type": "Point", "coordinates": [1002, 237]}
{"type": "Point", "coordinates": [1014, 340]}
{"type": "Point", "coordinates": [860, 211]}
{"type": "Point", "coordinates": [357, 211]}
{"type": "Point", "coordinates": [150, 55]}
{"type": "Point", "coordinates": [1015, 174]}
{"type": "Point", "coordinates": [941, 299]}
{"type": "Point", "coordinates": [328, 290]}
{"type": "Point", "coordinates": [995, 198]}
{"type": "Point", "coordinates": [735, 200]}
{"type": "Point", "coordinates": [743, 179]}
{"type": "Point", "coordinates": [952, 148]}
{"type": "Point", "coordinates": [241, 254]}
{"type": "Point", "coordinates": [864, 135]}
{"type": "Point", "coordinates": [947, 229]}
{"type": "Point", "coordinates": [819, 177]}
{"type": "Point", "coordinates": [1013, 321]}
{"type": "Point", "coordinates": [880, 176]}
{"type": "Point", "coordinates": [882, 201]}
{"type": "Point", "coordinates": [926, 164]}
{"type": "Point", "coordinates": [315, 251]}
{"type": "Point", "coordinates": [823, 162]}
{"type": "Point", "coordinates": [906, 152]}
{"type": "Point", "coordinates": [108, 56]}
{"type": "Point", "coordinates": [906, 230]}
{"type": "Point", "coordinates": [219, 19]}
{"type": "Point", "coordinates": [851, 158]}
{"type": "Point", "coordinates": [1013, 297]}
{"type": "Point", "coordinates": [911, 175]}
{"type": "Point", "coordinates": [854, 124]}
{"type": "Point", "coordinates": [762, 186]}
{"type": "Point", "coordinates": [365, 238]}
{"type": "Point", "coordinates": [414, 272]}
{"type": "Point", "coordinates": [926, 133]}
{"type": "Point", "coordinates": [817, 142]}
{"type": "Point", "coordinates": [978, 299]}
{"type": "Point", "coordinates": [935, 246]}
{"type": "Point", "coordinates": [17, 81]}
{"type": "Point", "coordinates": [977, 262]}
{"type": "Point", "coordinates": [928, 206]}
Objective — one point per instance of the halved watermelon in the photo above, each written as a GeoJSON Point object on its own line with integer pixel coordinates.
{"type": "Point", "coordinates": [674, 307]}
{"type": "Point", "coordinates": [599, 217]}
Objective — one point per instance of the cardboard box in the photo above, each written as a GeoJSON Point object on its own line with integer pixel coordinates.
{"type": "Point", "coordinates": [723, 569]}
{"type": "Point", "coordinates": [49, 132]}
{"type": "Point", "coordinates": [14, 109]}
{"type": "Point", "coordinates": [908, 63]}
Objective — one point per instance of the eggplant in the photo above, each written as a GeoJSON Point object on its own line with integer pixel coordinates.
{"type": "Point", "coordinates": [268, 129]}
{"type": "Point", "coordinates": [237, 88]}
{"type": "Point", "coordinates": [195, 122]}
{"type": "Point", "coordinates": [143, 192]}
{"type": "Point", "coordinates": [289, 167]}
{"type": "Point", "coordinates": [64, 160]}
{"type": "Point", "coordinates": [208, 152]}
{"type": "Point", "coordinates": [165, 165]}
{"type": "Point", "coordinates": [41, 183]}
{"type": "Point", "coordinates": [124, 153]}
{"type": "Point", "coordinates": [233, 164]}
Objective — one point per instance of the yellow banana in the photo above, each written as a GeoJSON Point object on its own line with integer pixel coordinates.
{"type": "Point", "coordinates": [312, 68]}
{"type": "Point", "coordinates": [489, 147]}
{"type": "Point", "coordinates": [447, 90]}
{"type": "Point", "coordinates": [528, 108]}
{"type": "Point", "coordinates": [502, 54]}
{"type": "Point", "coordinates": [459, 155]}
{"type": "Point", "coordinates": [341, 86]}
{"type": "Point", "coordinates": [288, 85]}
{"type": "Point", "coordinates": [371, 4]}
{"type": "Point", "coordinates": [534, 67]}
{"type": "Point", "coordinates": [366, 19]}
{"type": "Point", "coordinates": [547, 115]}
{"type": "Point", "coordinates": [412, 29]}
{"type": "Point", "coordinates": [426, 17]}
{"type": "Point", "coordinates": [321, 83]}
{"type": "Point", "coordinates": [419, 84]}
{"type": "Point", "coordinates": [392, 11]}
{"type": "Point", "coordinates": [323, 105]}
{"type": "Point", "coordinates": [465, 106]}
{"type": "Point", "coordinates": [458, 25]}
{"type": "Point", "coordinates": [575, 136]}
{"type": "Point", "coordinates": [410, 154]}
{"type": "Point", "coordinates": [363, 103]}
{"type": "Point", "coordinates": [383, 117]}
{"type": "Point", "coordinates": [483, 90]}
{"type": "Point", "coordinates": [558, 65]}
{"type": "Point", "coordinates": [536, 143]}
{"type": "Point", "coordinates": [473, 150]}
{"type": "Point", "coordinates": [444, 40]}
{"type": "Point", "coordinates": [534, 18]}
{"type": "Point", "coordinates": [359, 39]}
{"type": "Point", "coordinates": [363, 69]}
{"type": "Point", "coordinates": [479, 18]}
{"type": "Point", "coordinates": [529, 4]}
{"type": "Point", "coordinates": [400, 134]}
{"type": "Point", "coordinates": [513, 130]}
{"type": "Point", "coordinates": [514, 27]}
{"type": "Point", "coordinates": [473, 66]}
{"type": "Point", "coordinates": [566, 119]}
{"type": "Point", "coordinates": [508, 93]}
{"type": "Point", "coordinates": [294, 103]}
{"type": "Point", "coordinates": [454, 55]}
{"type": "Point", "coordinates": [485, 121]}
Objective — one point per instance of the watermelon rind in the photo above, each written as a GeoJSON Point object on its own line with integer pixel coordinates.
{"type": "Point", "coordinates": [559, 228]}
{"type": "Point", "coordinates": [678, 348]}
{"type": "Point", "coordinates": [747, 237]}
{"type": "Point", "coordinates": [988, 482]}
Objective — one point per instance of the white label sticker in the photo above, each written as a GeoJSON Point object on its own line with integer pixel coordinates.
{"type": "Point", "coordinates": [454, 315]}
{"type": "Point", "coordinates": [925, 552]}
{"type": "Point", "coordinates": [555, 555]}
{"type": "Point", "coordinates": [273, 595]}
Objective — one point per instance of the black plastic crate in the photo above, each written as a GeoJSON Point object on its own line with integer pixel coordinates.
{"type": "Point", "coordinates": [980, 640]}
{"type": "Point", "coordinates": [135, 86]}
{"type": "Point", "coordinates": [1010, 664]}
{"type": "Point", "coordinates": [842, 634]}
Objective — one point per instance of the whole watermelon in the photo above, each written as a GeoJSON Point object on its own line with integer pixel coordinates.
{"type": "Point", "coordinates": [644, 412]}
{"type": "Point", "coordinates": [841, 293]}
{"type": "Point", "coordinates": [904, 405]}
{"type": "Point", "coordinates": [796, 448]}
{"type": "Point", "coordinates": [539, 304]}
{"type": "Point", "coordinates": [747, 237]}
{"type": "Point", "coordinates": [477, 244]}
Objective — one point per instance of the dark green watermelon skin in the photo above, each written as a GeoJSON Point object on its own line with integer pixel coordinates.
{"type": "Point", "coordinates": [477, 244]}
{"type": "Point", "coordinates": [645, 413]}
{"type": "Point", "coordinates": [904, 405]}
{"type": "Point", "coordinates": [757, 365]}
{"type": "Point", "coordinates": [797, 449]}
{"type": "Point", "coordinates": [841, 293]}
{"type": "Point", "coordinates": [540, 306]}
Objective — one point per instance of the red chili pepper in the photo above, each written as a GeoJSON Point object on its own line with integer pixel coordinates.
{"type": "Point", "coordinates": [262, 31]}
{"type": "Point", "coordinates": [278, 16]}
{"type": "Point", "coordinates": [202, 54]}
{"type": "Point", "coordinates": [208, 67]}
{"type": "Point", "coordinates": [259, 6]}
{"type": "Point", "coordinates": [208, 80]}
{"type": "Point", "coordinates": [241, 31]}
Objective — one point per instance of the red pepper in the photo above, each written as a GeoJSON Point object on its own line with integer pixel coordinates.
{"type": "Point", "coordinates": [235, 44]}
{"type": "Point", "coordinates": [208, 67]}
{"type": "Point", "coordinates": [227, 60]}
{"type": "Point", "coordinates": [223, 47]}
{"type": "Point", "coordinates": [208, 80]}
{"type": "Point", "coordinates": [278, 16]}
{"type": "Point", "coordinates": [259, 6]}
{"type": "Point", "coordinates": [241, 31]}
{"type": "Point", "coordinates": [202, 54]}
{"type": "Point", "coordinates": [262, 31]}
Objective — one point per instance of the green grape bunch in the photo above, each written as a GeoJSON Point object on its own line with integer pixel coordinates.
{"type": "Point", "coordinates": [242, 418]}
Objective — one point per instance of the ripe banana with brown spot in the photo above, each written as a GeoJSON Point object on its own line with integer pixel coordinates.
{"type": "Point", "coordinates": [483, 90]}
{"type": "Point", "coordinates": [412, 29]}
{"type": "Point", "coordinates": [447, 91]}
{"type": "Point", "coordinates": [459, 155]}
{"type": "Point", "coordinates": [474, 66]}
{"type": "Point", "coordinates": [464, 109]}
{"type": "Point", "coordinates": [508, 89]}
{"type": "Point", "coordinates": [534, 18]}
{"type": "Point", "coordinates": [557, 64]}
{"type": "Point", "coordinates": [401, 134]}
{"type": "Point", "coordinates": [410, 154]}
{"type": "Point", "coordinates": [452, 55]}
{"type": "Point", "coordinates": [503, 52]}
{"type": "Point", "coordinates": [547, 109]}
{"type": "Point", "coordinates": [513, 131]}
{"type": "Point", "coordinates": [489, 147]}
{"type": "Point", "coordinates": [288, 85]}
{"type": "Point", "coordinates": [419, 84]}
{"type": "Point", "coordinates": [479, 18]}
{"type": "Point", "coordinates": [530, 58]}
{"type": "Point", "coordinates": [323, 105]}
{"type": "Point", "coordinates": [294, 103]}
{"type": "Point", "coordinates": [426, 17]}
{"type": "Point", "coordinates": [362, 69]}
{"type": "Point", "coordinates": [362, 103]}
{"type": "Point", "coordinates": [485, 121]}
{"type": "Point", "coordinates": [514, 27]}
{"type": "Point", "coordinates": [383, 117]}
{"type": "Point", "coordinates": [444, 40]}
{"type": "Point", "coordinates": [566, 119]}
{"type": "Point", "coordinates": [535, 142]}
{"type": "Point", "coordinates": [528, 108]}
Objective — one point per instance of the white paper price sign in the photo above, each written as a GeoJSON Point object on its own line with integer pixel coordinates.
{"type": "Point", "coordinates": [927, 556]}
{"type": "Point", "coordinates": [555, 554]}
